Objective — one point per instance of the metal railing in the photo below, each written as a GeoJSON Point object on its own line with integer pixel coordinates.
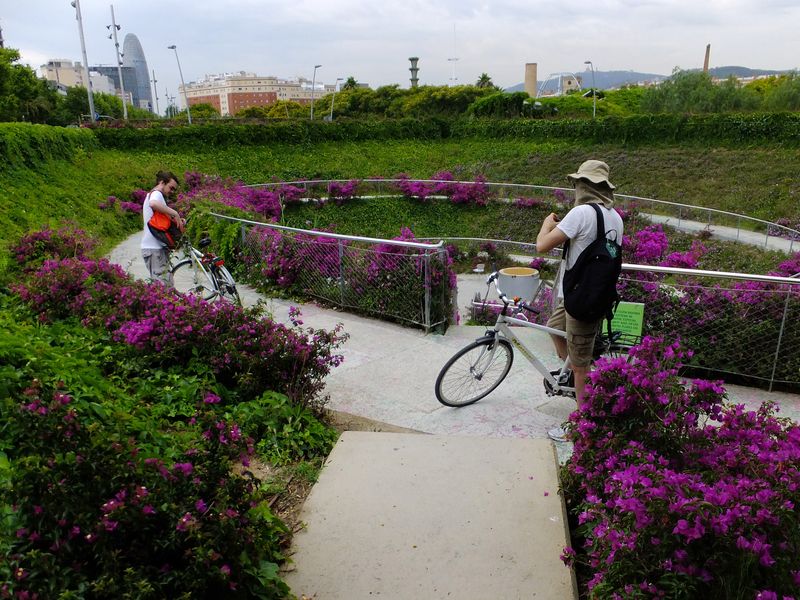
{"type": "Point", "coordinates": [399, 280]}
{"type": "Point", "coordinates": [736, 323]}
{"type": "Point", "coordinates": [724, 224]}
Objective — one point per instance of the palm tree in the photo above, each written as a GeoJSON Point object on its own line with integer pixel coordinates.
{"type": "Point", "coordinates": [484, 81]}
{"type": "Point", "coordinates": [350, 84]}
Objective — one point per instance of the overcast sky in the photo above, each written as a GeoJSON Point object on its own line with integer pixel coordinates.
{"type": "Point", "coordinates": [372, 40]}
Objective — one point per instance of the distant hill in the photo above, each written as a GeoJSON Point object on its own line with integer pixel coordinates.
{"type": "Point", "coordinates": [725, 72]}
{"type": "Point", "coordinates": [605, 80]}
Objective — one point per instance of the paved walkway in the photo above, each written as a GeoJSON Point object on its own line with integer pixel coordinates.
{"type": "Point", "coordinates": [463, 513]}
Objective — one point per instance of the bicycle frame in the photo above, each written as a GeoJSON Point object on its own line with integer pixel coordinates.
{"type": "Point", "coordinates": [502, 328]}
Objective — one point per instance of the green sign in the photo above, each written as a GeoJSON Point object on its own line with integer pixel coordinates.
{"type": "Point", "coordinates": [629, 318]}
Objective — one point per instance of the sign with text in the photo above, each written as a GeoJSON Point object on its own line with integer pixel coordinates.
{"type": "Point", "coordinates": [629, 318]}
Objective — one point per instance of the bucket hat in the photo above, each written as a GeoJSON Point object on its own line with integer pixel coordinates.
{"type": "Point", "coordinates": [595, 171]}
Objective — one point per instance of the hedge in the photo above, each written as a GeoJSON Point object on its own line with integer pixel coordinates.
{"type": "Point", "coordinates": [716, 128]}
{"type": "Point", "coordinates": [28, 145]}
{"type": "Point", "coordinates": [292, 132]}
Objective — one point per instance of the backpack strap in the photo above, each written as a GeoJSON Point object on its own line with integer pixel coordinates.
{"type": "Point", "coordinates": [601, 228]}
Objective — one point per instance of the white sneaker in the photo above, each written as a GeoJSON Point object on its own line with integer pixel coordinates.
{"type": "Point", "coordinates": [557, 434]}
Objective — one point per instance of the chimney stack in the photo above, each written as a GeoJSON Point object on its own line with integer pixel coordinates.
{"type": "Point", "coordinates": [531, 79]}
{"type": "Point", "coordinates": [708, 55]}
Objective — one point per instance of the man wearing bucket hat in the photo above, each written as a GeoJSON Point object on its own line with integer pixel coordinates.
{"type": "Point", "coordinates": [579, 226]}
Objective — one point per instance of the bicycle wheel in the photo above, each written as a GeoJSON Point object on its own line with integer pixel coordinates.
{"type": "Point", "coordinates": [226, 286]}
{"type": "Point", "coordinates": [474, 372]}
{"type": "Point", "coordinates": [190, 279]}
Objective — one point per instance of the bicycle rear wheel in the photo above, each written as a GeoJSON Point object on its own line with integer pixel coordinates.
{"type": "Point", "coordinates": [227, 286]}
{"type": "Point", "coordinates": [190, 279]}
{"type": "Point", "coordinates": [474, 372]}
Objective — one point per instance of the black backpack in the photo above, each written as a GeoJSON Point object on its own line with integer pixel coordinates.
{"type": "Point", "coordinates": [590, 286]}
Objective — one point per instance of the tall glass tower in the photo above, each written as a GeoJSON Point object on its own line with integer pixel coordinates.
{"type": "Point", "coordinates": [134, 58]}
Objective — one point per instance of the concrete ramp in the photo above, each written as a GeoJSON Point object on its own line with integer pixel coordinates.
{"type": "Point", "coordinates": [410, 516]}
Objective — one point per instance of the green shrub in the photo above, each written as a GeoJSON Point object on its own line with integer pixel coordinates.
{"type": "Point", "coordinates": [27, 145]}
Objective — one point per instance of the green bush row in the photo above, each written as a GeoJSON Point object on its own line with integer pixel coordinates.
{"type": "Point", "coordinates": [293, 132]}
{"type": "Point", "coordinates": [28, 145]}
{"type": "Point", "coordinates": [715, 128]}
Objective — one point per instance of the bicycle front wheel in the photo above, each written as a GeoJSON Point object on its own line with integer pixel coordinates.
{"type": "Point", "coordinates": [227, 286]}
{"type": "Point", "coordinates": [188, 278]}
{"type": "Point", "coordinates": [474, 372]}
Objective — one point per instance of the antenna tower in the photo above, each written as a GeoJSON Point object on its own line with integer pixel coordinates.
{"type": "Point", "coordinates": [454, 59]}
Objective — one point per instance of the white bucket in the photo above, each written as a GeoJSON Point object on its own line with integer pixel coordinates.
{"type": "Point", "coordinates": [518, 281]}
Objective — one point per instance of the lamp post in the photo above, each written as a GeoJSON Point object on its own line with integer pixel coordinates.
{"type": "Point", "coordinates": [333, 99]}
{"type": "Point", "coordinates": [114, 28]}
{"type": "Point", "coordinates": [77, 5]}
{"type": "Point", "coordinates": [313, 87]}
{"type": "Point", "coordinates": [594, 90]}
{"type": "Point", "coordinates": [183, 85]}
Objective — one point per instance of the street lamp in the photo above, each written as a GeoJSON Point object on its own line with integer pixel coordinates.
{"type": "Point", "coordinates": [333, 99]}
{"type": "Point", "coordinates": [77, 5]}
{"type": "Point", "coordinates": [594, 89]}
{"type": "Point", "coordinates": [313, 86]}
{"type": "Point", "coordinates": [114, 28]}
{"type": "Point", "coordinates": [185, 96]}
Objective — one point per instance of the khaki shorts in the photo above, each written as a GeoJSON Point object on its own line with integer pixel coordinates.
{"type": "Point", "coordinates": [157, 262]}
{"type": "Point", "coordinates": [580, 335]}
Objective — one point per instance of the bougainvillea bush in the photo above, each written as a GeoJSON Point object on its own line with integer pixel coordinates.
{"type": "Point", "coordinates": [673, 493]}
{"type": "Point", "coordinates": [92, 512]}
{"type": "Point", "coordinates": [245, 352]}
{"type": "Point", "coordinates": [719, 318]}
{"type": "Point", "coordinates": [130, 416]}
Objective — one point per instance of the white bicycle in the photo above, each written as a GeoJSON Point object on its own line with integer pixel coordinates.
{"type": "Point", "coordinates": [476, 370]}
{"type": "Point", "coordinates": [203, 274]}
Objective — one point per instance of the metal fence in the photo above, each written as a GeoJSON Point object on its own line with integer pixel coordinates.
{"type": "Point", "coordinates": [737, 324]}
{"type": "Point", "coordinates": [722, 224]}
{"type": "Point", "coordinates": [399, 280]}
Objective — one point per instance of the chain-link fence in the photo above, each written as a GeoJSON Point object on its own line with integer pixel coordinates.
{"type": "Point", "coordinates": [399, 280]}
{"type": "Point", "coordinates": [743, 326]}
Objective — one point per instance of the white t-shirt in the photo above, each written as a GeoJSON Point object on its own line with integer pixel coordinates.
{"type": "Point", "coordinates": [148, 241]}
{"type": "Point", "coordinates": [580, 226]}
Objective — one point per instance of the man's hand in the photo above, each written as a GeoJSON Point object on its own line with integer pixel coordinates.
{"type": "Point", "coordinates": [550, 236]}
{"type": "Point", "coordinates": [550, 222]}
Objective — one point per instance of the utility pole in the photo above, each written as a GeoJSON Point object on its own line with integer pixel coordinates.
{"type": "Point", "coordinates": [114, 28]}
{"type": "Point", "coordinates": [77, 5]}
{"type": "Point", "coordinates": [155, 89]}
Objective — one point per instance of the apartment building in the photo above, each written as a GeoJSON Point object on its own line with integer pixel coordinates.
{"type": "Point", "coordinates": [230, 93]}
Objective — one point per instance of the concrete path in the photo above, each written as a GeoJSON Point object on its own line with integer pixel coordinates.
{"type": "Point", "coordinates": [405, 516]}
{"type": "Point", "coordinates": [462, 513]}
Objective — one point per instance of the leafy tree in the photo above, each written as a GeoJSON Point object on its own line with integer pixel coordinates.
{"type": "Point", "coordinates": [500, 104]}
{"type": "Point", "coordinates": [288, 109]}
{"type": "Point", "coordinates": [696, 92]}
{"type": "Point", "coordinates": [484, 81]}
{"type": "Point", "coordinates": [350, 84]}
{"type": "Point", "coordinates": [785, 95]}
{"type": "Point", "coordinates": [203, 110]}
{"type": "Point", "coordinates": [23, 96]}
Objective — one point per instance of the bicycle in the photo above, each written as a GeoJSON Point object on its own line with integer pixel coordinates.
{"type": "Point", "coordinates": [203, 274]}
{"type": "Point", "coordinates": [477, 369]}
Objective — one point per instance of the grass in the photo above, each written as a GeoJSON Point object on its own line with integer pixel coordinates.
{"type": "Point", "coordinates": [756, 181]}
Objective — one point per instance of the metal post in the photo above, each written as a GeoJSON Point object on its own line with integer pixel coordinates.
{"type": "Point", "coordinates": [427, 292]}
{"type": "Point", "coordinates": [594, 90]}
{"type": "Point", "coordinates": [780, 338]}
{"type": "Point", "coordinates": [77, 5]}
{"type": "Point", "coordinates": [313, 87]}
{"type": "Point", "coordinates": [114, 29]}
{"type": "Point", "coordinates": [183, 84]}
{"type": "Point", "coordinates": [155, 89]}
{"type": "Point", "coordinates": [341, 272]}
{"type": "Point", "coordinates": [333, 99]}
